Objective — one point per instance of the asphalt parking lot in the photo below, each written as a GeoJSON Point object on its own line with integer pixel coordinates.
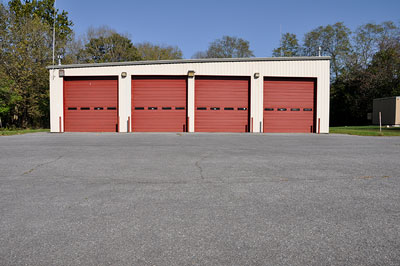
{"type": "Point", "coordinates": [199, 199]}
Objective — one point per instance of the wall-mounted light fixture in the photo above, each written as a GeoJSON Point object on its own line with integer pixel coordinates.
{"type": "Point", "coordinates": [256, 75]}
{"type": "Point", "coordinates": [123, 75]}
{"type": "Point", "coordinates": [61, 73]}
{"type": "Point", "coordinates": [191, 73]}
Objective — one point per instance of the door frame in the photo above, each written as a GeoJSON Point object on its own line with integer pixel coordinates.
{"type": "Point", "coordinates": [108, 77]}
{"type": "Point", "coordinates": [291, 78]}
{"type": "Point", "coordinates": [228, 77]}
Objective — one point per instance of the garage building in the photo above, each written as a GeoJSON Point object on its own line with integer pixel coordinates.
{"type": "Point", "coordinates": [278, 95]}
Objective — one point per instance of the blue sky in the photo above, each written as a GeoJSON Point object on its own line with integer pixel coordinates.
{"type": "Point", "coordinates": [192, 25]}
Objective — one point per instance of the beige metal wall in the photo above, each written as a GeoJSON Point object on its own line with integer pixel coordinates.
{"type": "Point", "coordinates": [298, 68]}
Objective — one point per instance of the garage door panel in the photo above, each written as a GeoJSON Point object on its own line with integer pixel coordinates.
{"type": "Point", "coordinates": [150, 95]}
{"type": "Point", "coordinates": [99, 95]}
{"type": "Point", "coordinates": [291, 105]}
{"type": "Point", "coordinates": [105, 122]}
{"type": "Point", "coordinates": [221, 93]}
{"type": "Point", "coordinates": [159, 121]}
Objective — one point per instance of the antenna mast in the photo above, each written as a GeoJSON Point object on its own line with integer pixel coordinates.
{"type": "Point", "coordinates": [280, 40]}
{"type": "Point", "coordinates": [54, 32]}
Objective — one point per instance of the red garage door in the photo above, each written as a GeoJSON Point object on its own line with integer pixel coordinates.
{"type": "Point", "coordinates": [221, 104]}
{"type": "Point", "coordinates": [159, 104]}
{"type": "Point", "coordinates": [289, 105]}
{"type": "Point", "coordinates": [91, 104]}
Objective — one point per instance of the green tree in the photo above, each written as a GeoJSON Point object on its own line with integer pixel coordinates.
{"type": "Point", "coordinates": [25, 62]}
{"type": "Point", "coordinates": [25, 51]}
{"type": "Point", "coordinates": [384, 72]}
{"type": "Point", "coordinates": [8, 99]}
{"type": "Point", "coordinates": [75, 48]}
{"type": "Point", "coordinates": [354, 89]}
{"type": "Point", "coordinates": [106, 45]}
{"type": "Point", "coordinates": [289, 46]}
{"type": "Point", "coordinates": [148, 51]}
{"type": "Point", "coordinates": [366, 43]}
{"type": "Point", "coordinates": [227, 47]}
{"type": "Point", "coordinates": [390, 37]}
{"type": "Point", "coordinates": [334, 41]}
{"type": "Point", "coordinates": [72, 50]}
{"type": "Point", "coordinates": [200, 54]}
{"type": "Point", "coordinates": [46, 12]}
{"type": "Point", "coordinates": [371, 38]}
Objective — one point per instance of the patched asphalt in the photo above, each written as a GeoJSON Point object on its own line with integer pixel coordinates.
{"type": "Point", "coordinates": [199, 199]}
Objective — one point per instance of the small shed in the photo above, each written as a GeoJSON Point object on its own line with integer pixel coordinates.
{"type": "Point", "coordinates": [389, 108]}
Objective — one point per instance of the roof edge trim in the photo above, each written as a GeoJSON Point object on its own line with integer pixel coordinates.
{"type": "Point", "coordinates": [183, 61]}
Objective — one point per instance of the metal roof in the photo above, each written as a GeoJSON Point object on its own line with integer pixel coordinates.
{"type": "Point", "coordinates": [390, 97]}
{"type": "Point", "coordinates": [183, 61]}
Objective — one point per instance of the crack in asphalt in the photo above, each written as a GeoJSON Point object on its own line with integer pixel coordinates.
{"type": "Point", "coordinates": [41, 164]}
{"type": "Point", "coordinates": [197, 164]}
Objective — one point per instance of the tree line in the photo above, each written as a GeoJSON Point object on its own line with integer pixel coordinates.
{"type": "Point", "coordinates": [365, 63]}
